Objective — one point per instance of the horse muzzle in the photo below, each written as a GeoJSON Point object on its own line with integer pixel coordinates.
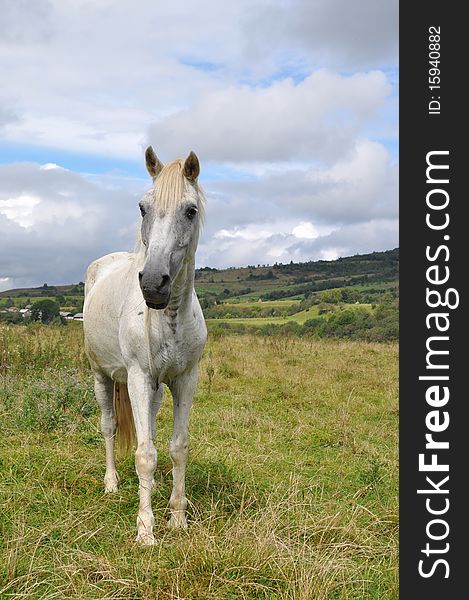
{"type": "Point", "coordinates": [156, 290]}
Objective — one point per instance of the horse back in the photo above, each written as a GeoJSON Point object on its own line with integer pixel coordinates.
{"type": "Point", "coordinates": [101, 266]}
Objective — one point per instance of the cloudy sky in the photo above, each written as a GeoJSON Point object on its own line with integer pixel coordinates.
{"type": "Point", "coordinates": [291, 106]}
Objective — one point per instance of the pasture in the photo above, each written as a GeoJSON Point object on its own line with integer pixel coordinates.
{"type": "Point", "coordinates": [292, 475]}
{"type": "Point", "coordinates": [299, 317]}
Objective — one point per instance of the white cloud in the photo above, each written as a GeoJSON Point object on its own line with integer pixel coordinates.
{"type": "Point", "coordinates": [112, 69]}
{"type": "Point", "coordinates": [19, 209]}
{"type": "Point", "coordinates": [336, 33]}
{"type": "Point", "coordinates": [285, 101]}
{"type": "Point", "coordinates": [317, 119]}
{"type": "Point", "coordinates": [250, 233]}
{"type": "Point", "coordinates": [360, 187]}
{"type": "Point", "coordinates": [305, 230]}
{"type": "Point", "coordinates": [6, 284]}
{"type": "Point", "coordinates": [282, 245]}
{"type": "Point", "coordinates": [90, 77]}
{"type": "Point", "coordinates": [329, 254]}
{"type": "Point", "coordinates": [53, 222]}
{"type": "Point", "coordinates": [49, 167]}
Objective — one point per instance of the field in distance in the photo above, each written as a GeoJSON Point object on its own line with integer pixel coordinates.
{"type": "Point", "coordinates": [350, 297]}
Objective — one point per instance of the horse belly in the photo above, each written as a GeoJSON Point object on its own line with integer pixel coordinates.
{"type": "Point", "coordinates": [101, 313]}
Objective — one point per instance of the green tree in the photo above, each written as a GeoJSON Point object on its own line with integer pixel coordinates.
{"type": "Point", "coordinates": [45, 311]}
{"type": "Point", "coordinates": [11, 317]}
{"type": "Point", "coordinates": [331, 296]}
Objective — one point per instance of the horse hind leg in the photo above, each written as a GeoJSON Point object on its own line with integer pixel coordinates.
{"type": "Point", "coordinates": [157, 398]}
{"type": "Point", "coordinates": [104, 392]}
{"type": "Point", "coordinates": [182, 391]}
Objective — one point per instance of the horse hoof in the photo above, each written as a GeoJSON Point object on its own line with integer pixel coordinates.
{"type": "Point", "coordinates": [111, 484]}
{"type": "Point", "coordinates": [177, 522]}
{"type": "Point", "coordinates": [111, 489]}
{"type": "Point", "coordinates": [145, 539]}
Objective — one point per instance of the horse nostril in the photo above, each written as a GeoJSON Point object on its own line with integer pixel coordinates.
{"type": "Point", "coordinates": [164, 281]}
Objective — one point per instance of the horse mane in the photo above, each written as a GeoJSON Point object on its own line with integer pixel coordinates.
{"type": "Point", "coordinates": [168, 191]}
{"type": "Point", "coordinates": [170, 185]}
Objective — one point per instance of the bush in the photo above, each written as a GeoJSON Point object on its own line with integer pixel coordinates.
{"type": "Point", "coordinates": [45, 311]}
{"type": "Point", "coordinates": [380, 324]}
{"type": "Point", "coordinates": [349, 323]}
{"type": "Point", "coordinates": [14, 318]}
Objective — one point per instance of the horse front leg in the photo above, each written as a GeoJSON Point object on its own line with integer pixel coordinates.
{"type": "Point", "coordinates": [142, 391]}
{"type": "Point", "coordinates": [182, 390]}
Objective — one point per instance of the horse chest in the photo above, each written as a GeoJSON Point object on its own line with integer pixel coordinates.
{"type": "Point", "coordinates": [173, 352]}
{"type": "Point", "coordinates": [165, 356]}
{"type": "Point", "coordinates": [170, 357]}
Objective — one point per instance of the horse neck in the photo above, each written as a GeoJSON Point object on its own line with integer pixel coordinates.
{"type": "Point", "coordinates": [182, 289]}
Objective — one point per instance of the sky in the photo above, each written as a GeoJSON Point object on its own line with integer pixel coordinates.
{"type": "Point", "coordinates": [290, 105]}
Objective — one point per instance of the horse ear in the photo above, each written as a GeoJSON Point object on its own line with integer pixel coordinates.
{"type": "Point", "coordinates": [191, 167]}
{"type": "Point", "coordinates": [154, 166]}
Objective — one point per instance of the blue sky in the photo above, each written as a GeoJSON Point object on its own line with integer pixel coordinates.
{"type": "Point", "coordinates": [290, 106]}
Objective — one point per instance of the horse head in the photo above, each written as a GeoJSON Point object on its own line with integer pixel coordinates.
{"type": "Point", "coordinates": [171, 215]}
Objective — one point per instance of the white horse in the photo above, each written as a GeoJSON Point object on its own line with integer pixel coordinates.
{"type": "Point", "coordinates": [144, 328]}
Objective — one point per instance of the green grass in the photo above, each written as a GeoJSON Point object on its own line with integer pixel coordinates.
{"type": "Point", "coordinates": [247, 304]}
{"type": "Point", "coordinates": [299, 317]}
{"type": "Point", "coordinates": [292, 478]}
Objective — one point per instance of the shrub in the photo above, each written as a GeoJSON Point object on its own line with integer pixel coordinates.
{"type": "Point", "coordinates": [45, 311]}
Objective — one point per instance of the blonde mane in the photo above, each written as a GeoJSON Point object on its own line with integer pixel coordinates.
{"type": "Point", "coordinates": [170, 185]}
{"type": "Point", "coordinates": [168, 191]}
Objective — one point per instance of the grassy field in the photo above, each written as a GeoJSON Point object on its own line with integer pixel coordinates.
{"type": "Point", "coordinates": [244, 303]}
{"type": "Point", "coordinates": [299, 317]}
{"type": "Point", "coordinates": [292, 478]}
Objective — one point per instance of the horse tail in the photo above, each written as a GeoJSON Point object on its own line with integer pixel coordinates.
{"type": "Point", "coordinates": [125, 422]}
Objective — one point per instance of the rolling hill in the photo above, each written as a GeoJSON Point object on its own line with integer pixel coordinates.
{"type": "Point", "coordinates": [269, 282]}
{"type": "Point", "coordinates": [354, 297]}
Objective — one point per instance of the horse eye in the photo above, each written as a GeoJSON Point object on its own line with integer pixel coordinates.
{"type": "Point", "coordinates": [142, 210]}
{"type": "Point", "coordinates": [191, 212]}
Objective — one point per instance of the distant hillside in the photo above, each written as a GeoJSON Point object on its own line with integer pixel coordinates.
{"type": "Point", "coordinates": [71, 289]}
{"type": "Point", "coordinates": [352, 298]}
{"type": "Point", "coordinates": [297, 279]}
{"type": "Point", "coordinates": [268, 282]}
